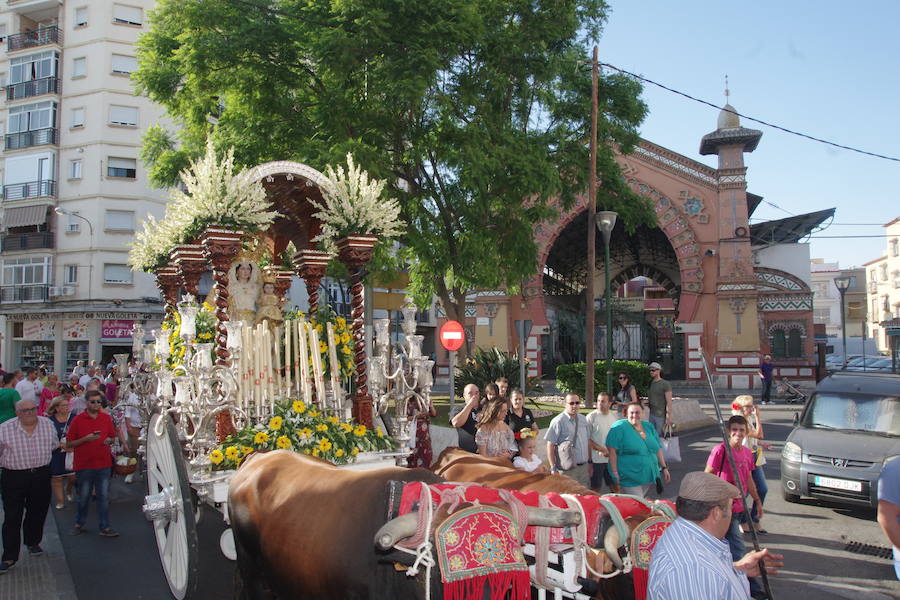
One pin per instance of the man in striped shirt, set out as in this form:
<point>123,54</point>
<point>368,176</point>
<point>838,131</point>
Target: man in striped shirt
<point>26,444</point>
<point>690,561</point>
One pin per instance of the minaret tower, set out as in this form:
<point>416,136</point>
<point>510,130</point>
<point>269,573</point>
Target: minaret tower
<point>738,331</point>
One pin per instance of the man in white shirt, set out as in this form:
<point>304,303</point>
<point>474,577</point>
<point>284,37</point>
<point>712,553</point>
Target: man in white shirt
<point>86,378</point>
<point>31,387</point>
<point>600,420</point>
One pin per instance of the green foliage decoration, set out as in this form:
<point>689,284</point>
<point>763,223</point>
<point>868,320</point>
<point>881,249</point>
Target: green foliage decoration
<point>486,365</point>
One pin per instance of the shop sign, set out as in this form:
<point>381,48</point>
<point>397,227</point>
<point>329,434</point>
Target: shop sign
<point>75,330</point>
<point>39,330</point>
<point>116,329</point>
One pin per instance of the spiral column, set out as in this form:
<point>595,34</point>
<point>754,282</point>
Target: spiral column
<point>191,264</point>
<point>311,266</point>
<point>355,251</point>
<point>168,281</point>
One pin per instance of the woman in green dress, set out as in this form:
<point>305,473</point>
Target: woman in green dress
<point>8,397</point>
<point>635,456</point>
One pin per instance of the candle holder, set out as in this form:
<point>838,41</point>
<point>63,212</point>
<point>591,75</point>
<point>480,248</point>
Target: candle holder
<point>162,344</point>
<point>188,310</point>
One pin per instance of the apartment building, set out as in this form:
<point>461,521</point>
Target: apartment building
<point>73,187</point>
<point>827,298</point>
<point>883,285</point>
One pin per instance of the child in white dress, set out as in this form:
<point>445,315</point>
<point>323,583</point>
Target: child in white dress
<point>527,460</point>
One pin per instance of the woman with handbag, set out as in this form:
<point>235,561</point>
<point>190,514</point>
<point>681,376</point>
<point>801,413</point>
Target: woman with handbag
<point>635,455</point>
<point>62,475</point>
<point>743,405</point>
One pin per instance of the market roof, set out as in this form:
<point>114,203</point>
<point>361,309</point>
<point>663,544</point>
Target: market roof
<point>790,229</point>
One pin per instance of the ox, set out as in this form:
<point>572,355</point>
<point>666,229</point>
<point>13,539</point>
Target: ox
<point>455,464</point>
<point>305,529</point>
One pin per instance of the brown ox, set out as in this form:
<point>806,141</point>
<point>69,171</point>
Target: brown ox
<point>456,464</point>
<point>305,529</point>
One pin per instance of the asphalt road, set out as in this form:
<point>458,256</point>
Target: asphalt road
<point>812,536</point>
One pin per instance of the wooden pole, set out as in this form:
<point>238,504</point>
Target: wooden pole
<point>591,245</point>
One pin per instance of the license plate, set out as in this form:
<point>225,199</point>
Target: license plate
<point>839,484</point>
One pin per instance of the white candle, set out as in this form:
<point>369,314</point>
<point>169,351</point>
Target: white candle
<point>304,361</point>
<point>316,354</point>
<point>271,353</point>
<point>287,358</point>
<point>257,369</point>
<point>295,336</point>
<point>276,372</point>
<point>334,367</point>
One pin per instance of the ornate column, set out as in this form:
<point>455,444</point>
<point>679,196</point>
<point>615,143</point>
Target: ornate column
<point>355,251</point>
<point>191,264</point>
<point>221,247</point>
<point>283,283</point>
<point>168,281</point>
<point>311,266</point>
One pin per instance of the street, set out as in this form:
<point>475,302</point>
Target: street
<point>812,537</point>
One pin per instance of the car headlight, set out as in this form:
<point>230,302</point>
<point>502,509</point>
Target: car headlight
<point>792,452</point>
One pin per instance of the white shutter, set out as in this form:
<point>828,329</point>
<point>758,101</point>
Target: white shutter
<point>123,64</point>
<point>122,163</point>
<point>123,115</point>
<point>77,117</point>
<point>81,16</point>
<point>79,66</point>
<point>116,273</point>
<point>130,15</point>
<point>120,220</point>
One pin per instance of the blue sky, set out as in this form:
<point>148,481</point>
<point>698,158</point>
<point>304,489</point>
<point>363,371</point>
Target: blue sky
<point>827,68</point>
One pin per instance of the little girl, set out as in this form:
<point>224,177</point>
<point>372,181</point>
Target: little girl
<point>527,460</point>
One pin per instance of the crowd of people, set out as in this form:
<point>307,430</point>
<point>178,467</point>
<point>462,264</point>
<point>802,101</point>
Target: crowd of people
<point>58,439</point>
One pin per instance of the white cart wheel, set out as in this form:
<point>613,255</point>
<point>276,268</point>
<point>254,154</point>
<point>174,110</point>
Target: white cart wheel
<point>226,543</point>
<point>168,506</point>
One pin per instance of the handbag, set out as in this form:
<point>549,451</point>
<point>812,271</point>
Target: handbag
<point>566,451</point>
<point>670,446</point>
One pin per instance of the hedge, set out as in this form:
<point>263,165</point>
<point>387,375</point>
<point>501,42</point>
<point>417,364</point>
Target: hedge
<point>570,377</point>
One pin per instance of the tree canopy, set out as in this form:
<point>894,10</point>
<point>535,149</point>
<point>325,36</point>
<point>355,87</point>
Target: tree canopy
<point>477,112</point>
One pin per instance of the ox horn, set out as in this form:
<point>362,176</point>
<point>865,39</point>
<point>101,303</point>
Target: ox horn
<point>405,526</point>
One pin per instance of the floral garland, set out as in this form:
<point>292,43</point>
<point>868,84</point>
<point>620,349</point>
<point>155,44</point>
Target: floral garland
<point>205,332</point>
<point>296,426</point>
<point>343,340</point>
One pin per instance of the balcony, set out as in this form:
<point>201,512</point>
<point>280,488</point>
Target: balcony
<point>31,39</point>
<point>24,293</point>
<point>39,240</point>
<point>26,139</point>
<point>31,189</point>
<point>35,87</point>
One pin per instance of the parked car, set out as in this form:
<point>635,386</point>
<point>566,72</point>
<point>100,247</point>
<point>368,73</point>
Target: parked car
<point>846,433</point>
<point>871,363</point>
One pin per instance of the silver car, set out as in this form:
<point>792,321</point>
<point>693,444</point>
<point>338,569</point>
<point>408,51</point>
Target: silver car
<point>848,430</point>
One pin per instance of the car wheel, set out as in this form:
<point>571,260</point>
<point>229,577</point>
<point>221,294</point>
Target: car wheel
<point>788,497</point>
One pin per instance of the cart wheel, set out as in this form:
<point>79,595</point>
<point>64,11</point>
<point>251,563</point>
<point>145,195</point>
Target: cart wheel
<point>168,506</point>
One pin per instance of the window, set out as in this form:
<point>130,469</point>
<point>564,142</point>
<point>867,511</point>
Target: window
<point>121,167</point>
<point>822,315</point>
<point>127,15</point>
<point>120,220</point>
<point>74,224</point>
<point>118,274</point>
<point>79,67</point>
<point>852,281</point>
<point>778,344</point>
<point>123,115</point>
<point>81,16</point>
<point>75,169</point>
<point>26,271</point>
<point>895,247</point>
<point>794,344</point>
<point>123,65</point>
<point>34,66</point>
<point>70,274</point>
<point>896,278</point>
<point>77,119</point>
<point>874,313</point>
<point>883,269</point>
<point>31,117</point>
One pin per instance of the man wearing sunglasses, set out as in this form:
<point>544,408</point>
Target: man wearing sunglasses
<point>660,399</point>
<point>91,434</point>
<point>570,426</point>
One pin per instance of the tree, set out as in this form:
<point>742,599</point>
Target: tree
<point>476,112</point>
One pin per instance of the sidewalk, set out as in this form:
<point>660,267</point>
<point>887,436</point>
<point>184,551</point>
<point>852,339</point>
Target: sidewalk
<point>44,577</point>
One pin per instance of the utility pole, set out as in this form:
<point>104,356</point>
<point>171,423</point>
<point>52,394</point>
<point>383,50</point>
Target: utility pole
<point>591,241</point>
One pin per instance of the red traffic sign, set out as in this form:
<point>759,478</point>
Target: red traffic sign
<point>452,335</point>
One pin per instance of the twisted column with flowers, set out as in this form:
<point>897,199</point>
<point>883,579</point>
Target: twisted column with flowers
<point>311,266</point>
<point>355,251</point>
<point>168,281</point>
<point>191,264</point>
<point>221,247</point>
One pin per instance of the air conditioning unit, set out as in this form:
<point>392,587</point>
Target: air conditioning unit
<point>54,291</point>
<point>67,290</point>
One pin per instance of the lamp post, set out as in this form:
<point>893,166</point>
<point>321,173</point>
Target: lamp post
<point>606,220</point>
<point>62,211</point>
<point>842,282</point>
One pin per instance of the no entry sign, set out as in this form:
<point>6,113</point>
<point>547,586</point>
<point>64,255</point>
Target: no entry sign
<point>452,335</point>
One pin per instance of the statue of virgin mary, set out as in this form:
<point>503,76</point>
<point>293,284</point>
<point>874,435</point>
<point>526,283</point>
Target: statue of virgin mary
<point>243,290</point>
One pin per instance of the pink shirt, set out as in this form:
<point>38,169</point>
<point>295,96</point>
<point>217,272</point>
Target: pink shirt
<point>21,450</point>
<point>46,397</point>
<point>721,467</point>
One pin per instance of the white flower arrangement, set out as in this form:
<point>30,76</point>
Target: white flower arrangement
<point>214,196</point>
<point>352,204</point>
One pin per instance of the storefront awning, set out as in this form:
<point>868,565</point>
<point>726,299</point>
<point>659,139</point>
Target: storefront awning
<point>25,216</point>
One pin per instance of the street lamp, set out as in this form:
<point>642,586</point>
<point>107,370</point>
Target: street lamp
<point>62,211</point>
<point>842,282</point>
<point>606,220</point>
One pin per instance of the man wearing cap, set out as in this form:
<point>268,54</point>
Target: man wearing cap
<point>660,399</point>
<point>690,561</point>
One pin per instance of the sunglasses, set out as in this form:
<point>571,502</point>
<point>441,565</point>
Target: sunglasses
<point>653,370</point>
<point>573,403</point>
<point>93,402</point>
<point>622,377</point>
